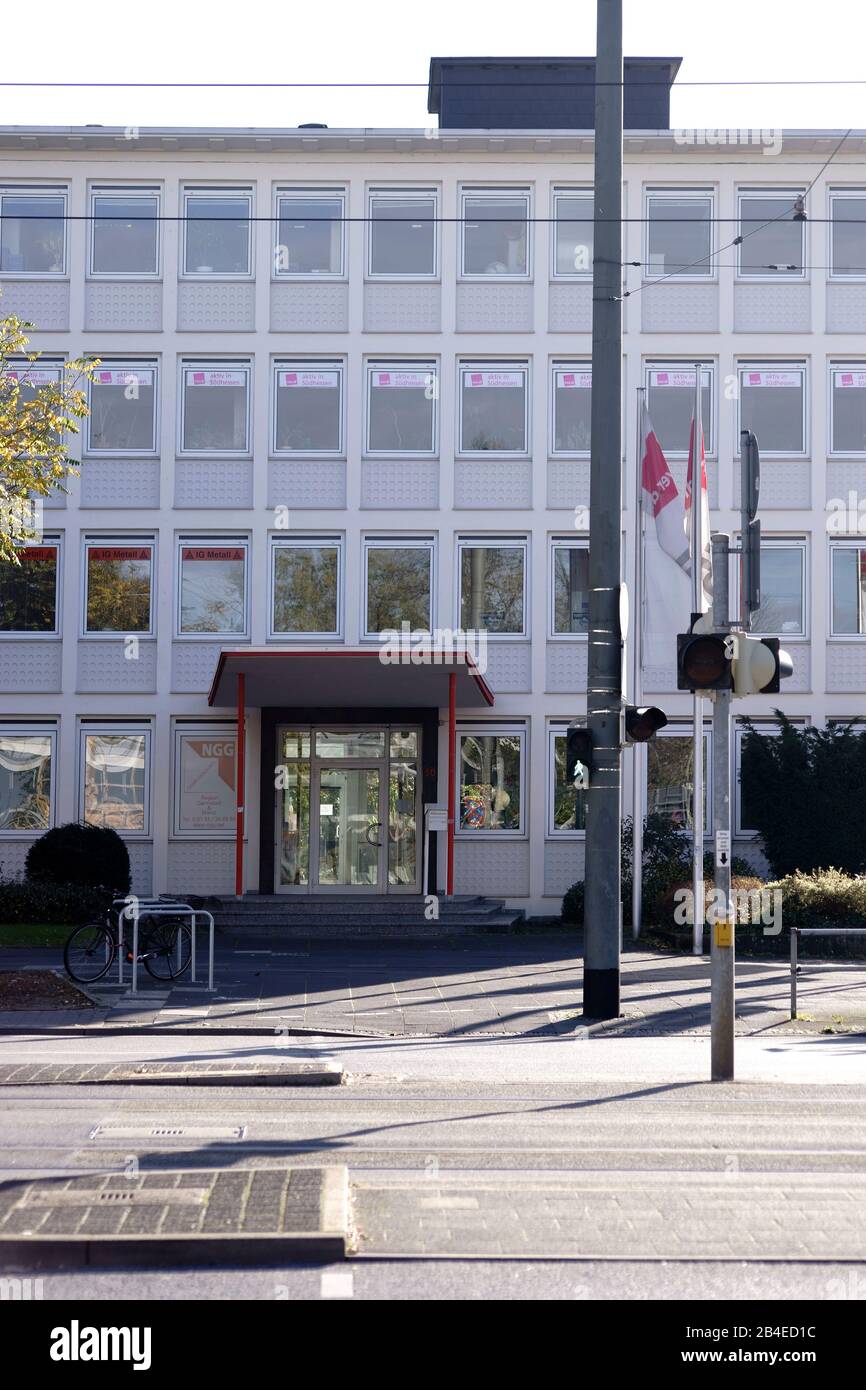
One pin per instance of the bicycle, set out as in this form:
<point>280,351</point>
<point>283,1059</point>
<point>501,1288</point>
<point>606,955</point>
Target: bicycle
<point>165,948</point>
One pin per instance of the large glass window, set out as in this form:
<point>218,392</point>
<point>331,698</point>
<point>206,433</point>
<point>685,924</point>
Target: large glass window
<point>32,232</point>
<point>217,226</point>
<point>572,233</point>
<point>671,780</point>
<point>571,407</point>
<point>783,583</point>
<point>848,579</point>
<point>495,232</point>
<point>306,587</point>
<point>491,781</point>
<point>569,605</point>
<point>670,399</point>
<point>213,589</point>
<point>401,407</point>
<point>124,232</point>
<point>398,585</point>
<point>310,232</point>
<point>26,780</point>
<point>566,805</point>
<point>773,405</point>
<point>204,780</point>
<point>114,775</point>
<point>308,417</point>
<point>493,586</point>
<point>122,416</point>
<point>118,587</point>
<point>848,235</point>
<point>848,409</point>
<point>494,408</point>
<point>215,408</point>
<point>402,238</point>
<point>29,591</point>
<point>773,243</point>
<point>679,234</point>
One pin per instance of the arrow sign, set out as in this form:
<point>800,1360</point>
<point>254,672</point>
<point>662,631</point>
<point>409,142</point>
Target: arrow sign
<point>723,848</point>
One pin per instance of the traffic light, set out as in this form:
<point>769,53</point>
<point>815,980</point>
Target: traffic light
<point>642,721</point>
<point>704,661</point>
<point>578,754</point>
<point>759,664</point>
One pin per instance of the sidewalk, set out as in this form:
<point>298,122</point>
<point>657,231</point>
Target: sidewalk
<point>521,985</point>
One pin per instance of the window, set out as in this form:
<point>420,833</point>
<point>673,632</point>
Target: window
<point>118,587</point>
<point>492,584</point>
<point>670,779</point>
<point>848,590</point>
<point>204,780</point>
<point>569,599</point>
<point>212,586</point>
<point>783,588</point>
<point>398,585</point>
<point>215,408</point>
<point>566,806</point>
<point>306,587</point>
<point>310,232</point>
<point>679,236</point>
<point>30,376</point>
<point>670,400</point>
<point>491,780</point>
<point>217,226</point>
<point>848,409</point>
<point>114,777</point>
<point>123,409</point>
<point>773,244</point>
<point>495,232</point>
<point>308,415</point>
<point>401,407</point>
<point>848,235</point>
<point>26,778</point>
<point>30,590</point>
<point>402,232</point>
<point>124,238</point>
<point>571,402</point>
<point>572,233</point>
<point>494,408</point>
<point>773,405</point>
<point>32,232</point>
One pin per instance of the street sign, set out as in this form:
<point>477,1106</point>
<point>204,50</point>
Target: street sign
<point>723,848</point>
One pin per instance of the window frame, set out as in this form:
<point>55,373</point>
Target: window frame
<point>209,541</point>
<point>842,195</point>
<point>131,365</point>
<point>468,541</point>
<point>207,364</point>
<point>297,540</point>
<point>339,191</point>
<point>693,275</point>
<point>579,367</point>
<point>684,730</point>
<point>708,365</point>
<point>103,728</point>
<point>372,541</point>
<point>494,193</point>
<point>395,193</point>
<point>307,364</point>
<point>563,191</point>
<point>430,366</point>
<point>490,365</point>
<point>60,191</point>
<point>202,728</point>
<point>834,366</point>
<point>56,540</point>
<point>493,729</point>
<point>132,192</point>
<point>780,542</point>
<point>191,190</point>
<point>555,543</point>
<point>857,543</point>
<point>769,276</point>
<point>90,542</point>
<point>557,728</point>
<point>35,728</point>
<point>802,365</point>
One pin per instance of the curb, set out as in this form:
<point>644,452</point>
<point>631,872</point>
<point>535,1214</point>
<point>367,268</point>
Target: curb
<point>319,1073</point>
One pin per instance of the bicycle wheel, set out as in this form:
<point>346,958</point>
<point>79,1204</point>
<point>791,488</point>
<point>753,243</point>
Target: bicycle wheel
<point>165,947</point>
<point>89,953</point>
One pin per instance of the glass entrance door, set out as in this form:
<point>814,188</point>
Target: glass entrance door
<point>348,828</point>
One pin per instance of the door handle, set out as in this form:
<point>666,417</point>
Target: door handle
<point>374,844</point>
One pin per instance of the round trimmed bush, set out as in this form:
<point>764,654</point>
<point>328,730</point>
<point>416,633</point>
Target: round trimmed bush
<point>90,855</point>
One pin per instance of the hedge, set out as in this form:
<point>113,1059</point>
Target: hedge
<point>27,901</point>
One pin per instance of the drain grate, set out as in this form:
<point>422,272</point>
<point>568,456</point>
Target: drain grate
<point>168,1131</point>
<point>126,1197</point>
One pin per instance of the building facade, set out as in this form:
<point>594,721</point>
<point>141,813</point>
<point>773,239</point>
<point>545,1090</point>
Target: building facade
<point>344,385</point>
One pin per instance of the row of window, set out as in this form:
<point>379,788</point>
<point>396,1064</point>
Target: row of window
<point>401,414</point>
<point>114,762</point>
<point>680,232</point>
<point>306,588</point>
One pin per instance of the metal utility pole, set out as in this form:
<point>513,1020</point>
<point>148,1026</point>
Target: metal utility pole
<point>697,700</point>
<point>722,931</point>
<point>602,909</point>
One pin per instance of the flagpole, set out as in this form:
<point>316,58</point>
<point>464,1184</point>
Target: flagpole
<point>637,681</point>
<point>697,558</point>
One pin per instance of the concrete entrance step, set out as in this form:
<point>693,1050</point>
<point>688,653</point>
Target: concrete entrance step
<point>359,916</point>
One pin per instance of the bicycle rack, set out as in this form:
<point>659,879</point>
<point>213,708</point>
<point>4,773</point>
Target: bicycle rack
<point>132,909</point>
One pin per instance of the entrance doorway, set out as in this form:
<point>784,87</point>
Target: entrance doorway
<point>348,808</point>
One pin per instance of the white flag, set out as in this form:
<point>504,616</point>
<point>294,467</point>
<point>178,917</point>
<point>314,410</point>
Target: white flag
<point>706,545</point>
<point>666,568</point>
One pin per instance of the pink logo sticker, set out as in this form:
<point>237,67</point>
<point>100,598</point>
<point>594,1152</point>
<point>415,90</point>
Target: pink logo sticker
<point>291,378</point>
<point>475,378</point>
<point>568,379</point>
<point>847,378</point>
<point>384,378</point>
<point>198,378</point>
<point>663,379</point>
<point>754,378</point>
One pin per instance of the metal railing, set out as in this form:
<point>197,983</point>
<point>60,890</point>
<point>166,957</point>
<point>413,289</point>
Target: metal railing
<point>132,909</point>
<point>797,932</point>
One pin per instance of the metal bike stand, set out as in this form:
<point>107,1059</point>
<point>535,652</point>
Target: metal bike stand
<point>162,907</point>
<point>819,931</point>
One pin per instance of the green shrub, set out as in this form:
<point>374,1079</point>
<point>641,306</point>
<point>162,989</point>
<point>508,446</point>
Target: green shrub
<point>90,855</point>
<point>26,900</point>
<point>572,905</point>
<point>823,898</point>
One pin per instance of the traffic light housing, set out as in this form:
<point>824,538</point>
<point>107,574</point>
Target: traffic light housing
<point>759,665</point>
<point>642,722</point>
<point>578,751</point>
<point>704,661</point>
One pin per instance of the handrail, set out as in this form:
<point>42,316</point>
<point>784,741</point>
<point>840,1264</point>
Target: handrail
<point>797,932</point>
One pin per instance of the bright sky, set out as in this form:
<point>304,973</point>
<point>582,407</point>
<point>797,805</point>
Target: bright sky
<point>341,41</point>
